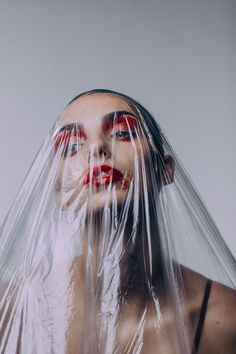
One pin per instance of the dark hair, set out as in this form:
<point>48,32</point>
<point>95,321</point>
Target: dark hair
<point>154,130</point>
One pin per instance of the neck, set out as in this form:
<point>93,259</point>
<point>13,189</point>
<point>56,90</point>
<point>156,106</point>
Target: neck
<point>124,252</point>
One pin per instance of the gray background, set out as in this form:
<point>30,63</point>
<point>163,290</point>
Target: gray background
<point>177,57</point>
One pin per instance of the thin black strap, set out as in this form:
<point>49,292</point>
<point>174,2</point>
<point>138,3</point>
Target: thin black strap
<point>202,316</point>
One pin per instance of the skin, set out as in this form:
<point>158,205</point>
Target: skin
<point>98,148</point>
<point>220,323</point>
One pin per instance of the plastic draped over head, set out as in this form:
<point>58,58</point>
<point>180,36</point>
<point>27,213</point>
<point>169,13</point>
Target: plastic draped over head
<point>104,238</point>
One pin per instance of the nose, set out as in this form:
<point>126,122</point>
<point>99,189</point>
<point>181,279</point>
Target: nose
<point>99,150</point>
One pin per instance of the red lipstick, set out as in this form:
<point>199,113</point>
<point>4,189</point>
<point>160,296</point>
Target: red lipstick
<point>102,175</point>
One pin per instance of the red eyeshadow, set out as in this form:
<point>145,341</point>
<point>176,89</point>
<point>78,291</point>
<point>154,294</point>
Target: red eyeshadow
<point>126,121</point>
<point>69,136</point>
<point>62,138</point>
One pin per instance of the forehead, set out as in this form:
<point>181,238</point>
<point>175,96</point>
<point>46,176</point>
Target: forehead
<point>92,107</point>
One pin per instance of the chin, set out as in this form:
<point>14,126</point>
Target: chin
<point>99,201</point>
<point>93,202</point>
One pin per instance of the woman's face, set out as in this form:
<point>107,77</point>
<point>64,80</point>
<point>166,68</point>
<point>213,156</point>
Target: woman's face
<point>101,143</point>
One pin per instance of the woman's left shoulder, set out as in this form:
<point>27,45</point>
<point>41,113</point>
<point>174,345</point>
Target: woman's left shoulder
<point>219,331</point>
<point>219,334</point>
<point>222,307</point>
<point>222,298</point>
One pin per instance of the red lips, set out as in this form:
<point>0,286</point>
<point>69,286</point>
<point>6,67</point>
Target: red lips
<point>102,175</point>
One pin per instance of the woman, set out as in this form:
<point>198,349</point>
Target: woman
<point>93,262</point>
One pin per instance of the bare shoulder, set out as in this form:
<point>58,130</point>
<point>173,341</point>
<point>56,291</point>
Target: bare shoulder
<point>219,331</point>
<point>194,284</point>
<point>222,309</point>
<point>222,298</point>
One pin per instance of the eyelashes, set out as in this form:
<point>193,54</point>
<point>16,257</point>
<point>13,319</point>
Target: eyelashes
<point>73,149</point>
<point>123,133</point>
<point>71,141</point>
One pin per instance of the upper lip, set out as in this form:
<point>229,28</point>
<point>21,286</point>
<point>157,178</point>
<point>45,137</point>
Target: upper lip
<point>102,172</point>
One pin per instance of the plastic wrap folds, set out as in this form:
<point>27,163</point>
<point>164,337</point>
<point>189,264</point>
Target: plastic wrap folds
<point>108,247</point>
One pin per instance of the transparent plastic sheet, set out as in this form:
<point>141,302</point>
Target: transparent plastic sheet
<point>108,246</point>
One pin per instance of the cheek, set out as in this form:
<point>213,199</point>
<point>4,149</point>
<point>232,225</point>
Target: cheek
<point>135,160</point>
<point>124,158</point>
<point>70,173</point>
<point>128,153</point>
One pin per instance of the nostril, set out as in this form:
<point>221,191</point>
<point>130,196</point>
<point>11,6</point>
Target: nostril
<point>101,152</point>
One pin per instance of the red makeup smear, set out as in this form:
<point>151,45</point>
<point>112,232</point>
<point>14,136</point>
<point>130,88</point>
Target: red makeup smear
<point>67,137</point>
